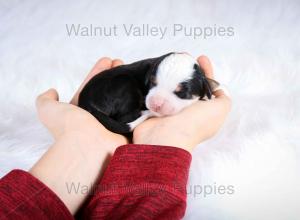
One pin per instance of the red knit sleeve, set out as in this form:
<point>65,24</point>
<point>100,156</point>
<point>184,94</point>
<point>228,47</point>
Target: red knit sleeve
<point>142,182</point>
<point>25,197</point>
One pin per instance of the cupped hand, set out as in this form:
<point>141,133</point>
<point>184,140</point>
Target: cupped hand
<point>190,127</point>
<point>67,119</point>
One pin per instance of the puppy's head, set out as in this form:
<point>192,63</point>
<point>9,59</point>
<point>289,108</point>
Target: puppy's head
<point>175,82</point>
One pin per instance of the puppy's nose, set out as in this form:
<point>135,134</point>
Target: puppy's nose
<point>156,103</point>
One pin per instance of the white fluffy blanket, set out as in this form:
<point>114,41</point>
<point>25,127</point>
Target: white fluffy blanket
<point>257,151</point>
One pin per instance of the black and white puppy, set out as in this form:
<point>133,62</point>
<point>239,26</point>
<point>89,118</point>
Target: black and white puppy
<point>123,97</point>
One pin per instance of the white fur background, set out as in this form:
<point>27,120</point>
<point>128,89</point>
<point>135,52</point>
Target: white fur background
<point>257,150</point>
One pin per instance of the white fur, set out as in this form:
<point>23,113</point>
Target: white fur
<point>173,70</point>
<point>257,149</point>
<point>145,115</point>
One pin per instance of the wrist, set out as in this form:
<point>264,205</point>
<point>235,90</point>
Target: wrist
<point>73,158</point>
<point>96,142</point>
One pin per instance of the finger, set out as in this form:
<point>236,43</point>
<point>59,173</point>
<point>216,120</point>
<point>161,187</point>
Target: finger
<point>219,93</point>
<point>117,62</point>
<point>101,65</point>
<point>206,66</point>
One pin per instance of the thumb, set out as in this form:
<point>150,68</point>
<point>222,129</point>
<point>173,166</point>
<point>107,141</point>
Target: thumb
<point>46,103</point>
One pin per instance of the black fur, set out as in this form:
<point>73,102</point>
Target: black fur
<point>197,86</point>
<point>117,96</point>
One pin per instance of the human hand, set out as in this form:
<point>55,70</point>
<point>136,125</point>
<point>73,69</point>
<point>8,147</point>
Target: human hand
<point>190,127</point>
<point>82,145</point>
<point>66,119</point>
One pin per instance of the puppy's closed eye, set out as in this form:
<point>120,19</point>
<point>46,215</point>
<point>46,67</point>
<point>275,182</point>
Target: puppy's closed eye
<point>182,91</point>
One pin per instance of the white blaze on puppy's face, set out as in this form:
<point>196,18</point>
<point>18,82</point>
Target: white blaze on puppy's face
<point>173,70</point>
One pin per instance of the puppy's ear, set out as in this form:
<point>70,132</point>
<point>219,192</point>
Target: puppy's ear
<point>207,90</point>
<point>205,86</point>
<point>212,83</point>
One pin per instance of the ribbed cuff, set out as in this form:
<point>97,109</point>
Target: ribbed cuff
<point>26,196</point>
<point>146,169</point>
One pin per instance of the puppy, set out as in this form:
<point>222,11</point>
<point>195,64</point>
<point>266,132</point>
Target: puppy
<point>123,97</point>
